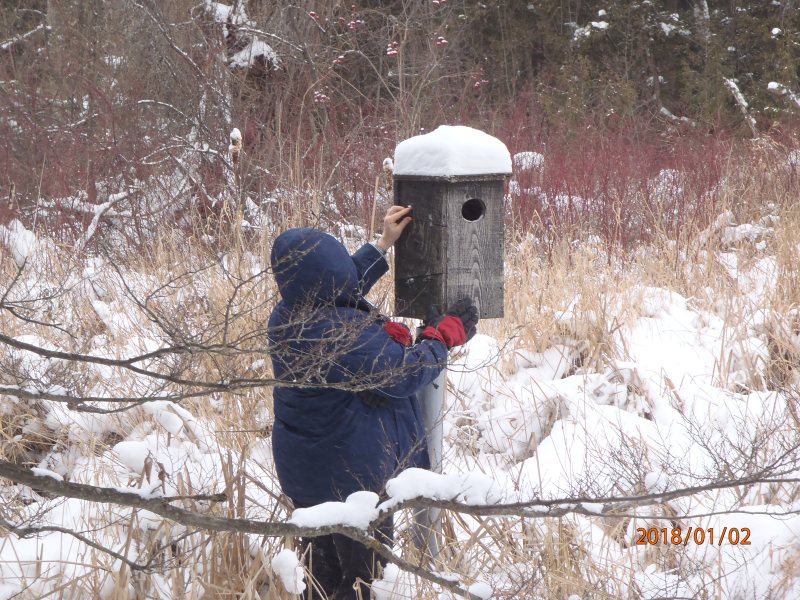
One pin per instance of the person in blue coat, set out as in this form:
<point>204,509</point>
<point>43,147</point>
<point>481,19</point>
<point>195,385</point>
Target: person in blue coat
<point>346,415</point>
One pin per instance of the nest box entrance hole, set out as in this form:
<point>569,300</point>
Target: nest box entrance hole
<point>473,209</point>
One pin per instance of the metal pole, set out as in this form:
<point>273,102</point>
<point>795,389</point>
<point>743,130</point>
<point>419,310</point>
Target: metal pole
<point>427,522</point>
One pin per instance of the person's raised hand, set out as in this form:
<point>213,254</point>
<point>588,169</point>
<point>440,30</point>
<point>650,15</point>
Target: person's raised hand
<point>394,223</point>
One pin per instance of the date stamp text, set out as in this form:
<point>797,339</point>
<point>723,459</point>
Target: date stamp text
<point>678,536</point>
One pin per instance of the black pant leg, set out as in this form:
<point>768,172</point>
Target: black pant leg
<point>359,562</point>
<point>323,564</point>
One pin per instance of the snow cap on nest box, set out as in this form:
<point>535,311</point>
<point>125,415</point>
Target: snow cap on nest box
<point>452,151</point>
<point>454,179</point>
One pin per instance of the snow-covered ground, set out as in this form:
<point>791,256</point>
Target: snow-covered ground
<point>672,392</point>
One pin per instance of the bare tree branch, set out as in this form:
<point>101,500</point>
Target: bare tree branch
<point>24,532</point>
<point>161,506</point>
<point>10,43</point>
<point>79,403</point>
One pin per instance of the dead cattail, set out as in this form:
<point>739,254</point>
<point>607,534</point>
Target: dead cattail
<point>235,145</point>
<point>388,171</point>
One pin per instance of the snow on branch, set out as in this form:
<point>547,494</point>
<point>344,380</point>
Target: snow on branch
<point>162,506</point>
<point>744,107</point>
<point>361,511</point>
<point>247,50</point>
<point>254,51</point>
<point>257,32</point>
<point>781,90</point>
<point>100,211</point>
<point>344,517</point>
<point>664,111</point>
<point>10,43</point>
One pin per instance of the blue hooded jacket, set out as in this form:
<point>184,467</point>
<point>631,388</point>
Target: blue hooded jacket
<point>327,442</point>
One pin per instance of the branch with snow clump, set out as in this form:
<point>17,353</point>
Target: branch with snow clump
<point>99,212</point>
<point>162,507</point>
<point>537,508</point>
<point>10,43</point>
<point>336,517</point>
<point>782,90</point>
<point>742,103</point>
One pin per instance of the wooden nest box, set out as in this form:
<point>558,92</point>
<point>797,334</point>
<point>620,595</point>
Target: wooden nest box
<point>454,180</point>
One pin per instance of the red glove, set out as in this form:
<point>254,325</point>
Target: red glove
<point>450,331</point>
<point>398,332</point>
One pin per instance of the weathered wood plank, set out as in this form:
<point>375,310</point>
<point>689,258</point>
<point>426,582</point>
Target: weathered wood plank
<point>475,247</point>
<point>443,256</point>
<point>420,252</point>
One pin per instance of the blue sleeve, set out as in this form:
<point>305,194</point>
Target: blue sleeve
<point>390,369</point>
<point>371,266</point>
<point>416,366</point>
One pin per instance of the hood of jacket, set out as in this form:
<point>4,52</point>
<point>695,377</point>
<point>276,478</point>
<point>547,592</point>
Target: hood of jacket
<point>313,267</point>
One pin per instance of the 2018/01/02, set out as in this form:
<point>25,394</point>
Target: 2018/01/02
<point>652,536</point>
